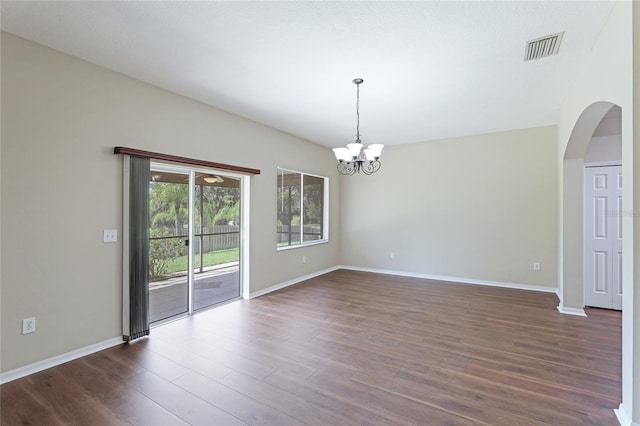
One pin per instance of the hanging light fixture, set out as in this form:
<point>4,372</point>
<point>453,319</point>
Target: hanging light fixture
<point>213,179</point>
<point>353,159</point>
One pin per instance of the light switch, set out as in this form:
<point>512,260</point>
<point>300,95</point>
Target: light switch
<point>110,236</point>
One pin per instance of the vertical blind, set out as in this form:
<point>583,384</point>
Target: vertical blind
<point>138,248</point>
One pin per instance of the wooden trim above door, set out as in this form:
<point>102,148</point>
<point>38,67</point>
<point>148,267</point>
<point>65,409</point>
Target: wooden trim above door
<point>184,160</point>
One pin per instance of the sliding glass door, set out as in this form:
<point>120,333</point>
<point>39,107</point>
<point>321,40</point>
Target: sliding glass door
<point>194,238</point>
<point>217,240</point>
<point>168,244</point>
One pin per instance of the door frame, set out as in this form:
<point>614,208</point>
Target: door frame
<point>155,166</point>
<point>243,269</point>
<point>245,191</point>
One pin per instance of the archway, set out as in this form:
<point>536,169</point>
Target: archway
<point>571,268</point>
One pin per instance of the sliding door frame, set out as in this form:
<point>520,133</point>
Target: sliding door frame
<point>188,171</point>
<point>191,171</point>
<point>243,173</point>
<point>245,191</point>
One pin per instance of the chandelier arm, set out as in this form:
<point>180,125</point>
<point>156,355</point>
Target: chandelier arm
<point>346,168</point>
<point>371,167</point>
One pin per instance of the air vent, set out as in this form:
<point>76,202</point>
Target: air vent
<point>543,47</point>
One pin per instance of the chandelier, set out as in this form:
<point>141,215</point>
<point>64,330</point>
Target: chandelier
<point>353,159</point>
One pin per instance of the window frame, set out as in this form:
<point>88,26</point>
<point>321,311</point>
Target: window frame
<point>325,209</point>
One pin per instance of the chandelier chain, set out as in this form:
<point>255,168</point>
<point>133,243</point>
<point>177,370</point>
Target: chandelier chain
<point>358,111</point>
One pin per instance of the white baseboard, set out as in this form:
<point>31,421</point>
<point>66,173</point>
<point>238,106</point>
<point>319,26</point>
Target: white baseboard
<point>623,418</point>
<point>291,282</point>
<point>454,279</point>
<point>57,360</point>
<point>571,311</point>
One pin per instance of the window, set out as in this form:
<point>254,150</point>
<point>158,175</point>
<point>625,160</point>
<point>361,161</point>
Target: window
<point>302,209</point>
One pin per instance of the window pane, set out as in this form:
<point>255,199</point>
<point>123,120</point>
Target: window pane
<point>168,233</point>
<point>302,215</point>
<point>313,198</point>
<point>219,236</point>
<point>288,208</point>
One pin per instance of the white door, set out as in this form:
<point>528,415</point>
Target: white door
<point>603,237</point>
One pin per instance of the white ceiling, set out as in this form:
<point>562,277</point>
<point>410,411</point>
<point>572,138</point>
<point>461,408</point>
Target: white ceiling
<point>432,69</point>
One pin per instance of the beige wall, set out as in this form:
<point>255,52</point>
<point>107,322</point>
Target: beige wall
<point>480,207</point>
<point>605,79</point>
<point>61,186</point>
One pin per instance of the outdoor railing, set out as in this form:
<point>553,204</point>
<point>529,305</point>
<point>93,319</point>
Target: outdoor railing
<point>291,235</point>
<point>221,237</point>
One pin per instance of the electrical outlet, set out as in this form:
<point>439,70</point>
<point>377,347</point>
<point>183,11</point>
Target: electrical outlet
<point>392,255</point>
<point>304,259</point>
<point>110,235</point>
<point>536,266</point>
<point>28,325</point>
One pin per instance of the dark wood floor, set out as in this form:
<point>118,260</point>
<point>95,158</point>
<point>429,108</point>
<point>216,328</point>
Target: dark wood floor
<point>347,348</point>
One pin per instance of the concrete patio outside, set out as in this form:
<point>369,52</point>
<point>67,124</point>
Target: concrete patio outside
<point>168,297</point>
